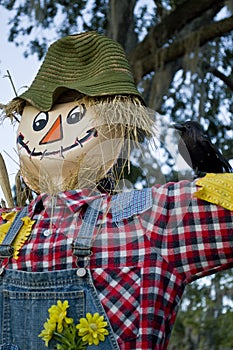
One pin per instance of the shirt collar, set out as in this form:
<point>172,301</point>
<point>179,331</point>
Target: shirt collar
<point>73,199</point>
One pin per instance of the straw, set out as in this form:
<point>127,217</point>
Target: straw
<point>5,183</point>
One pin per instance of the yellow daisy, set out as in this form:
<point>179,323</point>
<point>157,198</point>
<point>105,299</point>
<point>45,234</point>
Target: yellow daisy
<point>92,328</point>
<point>58,315</point>
<point>48,331</point>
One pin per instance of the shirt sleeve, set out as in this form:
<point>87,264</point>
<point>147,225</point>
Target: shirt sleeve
<point>195,237</point>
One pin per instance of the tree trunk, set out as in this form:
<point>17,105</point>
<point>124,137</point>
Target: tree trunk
<point>121,23</point>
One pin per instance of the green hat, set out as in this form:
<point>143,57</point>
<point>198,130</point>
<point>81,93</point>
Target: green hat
<point>89,63</point>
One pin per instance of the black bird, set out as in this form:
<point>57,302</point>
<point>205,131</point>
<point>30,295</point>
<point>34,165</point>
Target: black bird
<point>198,151</point>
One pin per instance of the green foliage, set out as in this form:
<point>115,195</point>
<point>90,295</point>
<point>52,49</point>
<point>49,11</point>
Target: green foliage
<point>98,17</point>
<point>203,97</point>
<point>205,318</point>
<point>144,19</point>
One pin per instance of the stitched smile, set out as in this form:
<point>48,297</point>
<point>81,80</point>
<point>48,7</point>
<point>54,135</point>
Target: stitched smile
<point>78,142</point>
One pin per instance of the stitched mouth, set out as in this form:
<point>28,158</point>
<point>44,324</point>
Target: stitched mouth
<point>78,143</point>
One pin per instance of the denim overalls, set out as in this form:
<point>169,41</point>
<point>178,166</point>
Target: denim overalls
<point>25,297</point>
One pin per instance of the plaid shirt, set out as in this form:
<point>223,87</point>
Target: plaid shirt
<point>148,245</point>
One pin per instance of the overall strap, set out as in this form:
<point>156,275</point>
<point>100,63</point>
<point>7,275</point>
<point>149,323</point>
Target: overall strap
<point>83,243</point>
<point>6,248</point>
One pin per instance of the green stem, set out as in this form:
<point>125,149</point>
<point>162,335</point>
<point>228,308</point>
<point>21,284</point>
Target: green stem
<point>60,337</point>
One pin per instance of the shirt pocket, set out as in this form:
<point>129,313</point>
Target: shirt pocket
<point>25,312</point>
<point>119,292</point>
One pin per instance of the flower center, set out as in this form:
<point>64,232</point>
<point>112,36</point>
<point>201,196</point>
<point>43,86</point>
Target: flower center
<point>93,326</point>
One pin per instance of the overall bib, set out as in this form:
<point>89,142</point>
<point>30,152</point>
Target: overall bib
<point>25,297</point>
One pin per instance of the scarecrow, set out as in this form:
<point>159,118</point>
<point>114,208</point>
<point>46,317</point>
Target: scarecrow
<point>81,266</point>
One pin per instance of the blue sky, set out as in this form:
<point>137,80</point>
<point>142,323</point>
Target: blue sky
<point>12,59</point>
<point>22,71</point>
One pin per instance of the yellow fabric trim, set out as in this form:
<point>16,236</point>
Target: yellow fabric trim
<point>216,189</point>
<point>23,234</point>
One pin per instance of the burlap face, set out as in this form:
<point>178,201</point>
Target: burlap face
<point>75,144</point>
<point>66,148</point>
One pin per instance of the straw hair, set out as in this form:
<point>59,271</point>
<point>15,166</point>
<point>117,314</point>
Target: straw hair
<point>88,62</point>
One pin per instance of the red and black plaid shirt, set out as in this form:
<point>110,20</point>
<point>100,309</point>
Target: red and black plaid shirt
<point>148,246</point>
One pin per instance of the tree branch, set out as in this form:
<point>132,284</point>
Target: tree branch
<point>227,80</point>
<point>177,49</point>
<point>161,33</point>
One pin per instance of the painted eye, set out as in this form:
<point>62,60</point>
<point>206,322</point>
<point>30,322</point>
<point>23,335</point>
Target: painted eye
<point>76,114</point>
<point>40,121</point>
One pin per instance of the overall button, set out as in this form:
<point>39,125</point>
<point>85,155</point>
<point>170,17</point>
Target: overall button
<point>81,272</point>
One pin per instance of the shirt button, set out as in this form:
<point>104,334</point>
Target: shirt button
<point>48,232</point>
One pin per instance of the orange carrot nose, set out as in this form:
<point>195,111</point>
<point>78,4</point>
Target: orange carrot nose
<point>55,132</point>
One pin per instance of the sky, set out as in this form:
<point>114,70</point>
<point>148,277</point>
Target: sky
<point>22,71</point>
